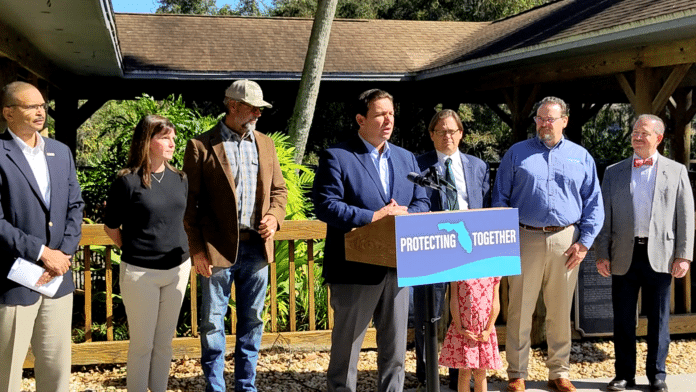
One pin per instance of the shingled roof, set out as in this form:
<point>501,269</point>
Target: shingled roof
<point>214,44</point>
<point>188,46</point>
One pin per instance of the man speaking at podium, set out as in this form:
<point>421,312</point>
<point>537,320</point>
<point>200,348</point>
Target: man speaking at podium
<point>358,182</point>
<point>470,177</point>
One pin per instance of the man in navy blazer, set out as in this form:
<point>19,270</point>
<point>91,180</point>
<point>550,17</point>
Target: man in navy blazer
<point>40,221</point>
<point>647,239</point>
<point>472,180</point>
<point>357,182</point>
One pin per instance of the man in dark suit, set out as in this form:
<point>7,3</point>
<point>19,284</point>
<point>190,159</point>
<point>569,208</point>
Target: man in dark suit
<point>470,176</point>
<point>647,238</point>
<point>357,182</point>
<point>236,203</point>
<point>40,221</point>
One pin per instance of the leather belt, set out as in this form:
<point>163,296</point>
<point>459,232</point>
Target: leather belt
<point>246,235</point>
<point>545,229</point>
<point>641,240</point>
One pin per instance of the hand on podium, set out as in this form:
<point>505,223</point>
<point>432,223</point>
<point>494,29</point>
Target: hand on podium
<point>393,208</point>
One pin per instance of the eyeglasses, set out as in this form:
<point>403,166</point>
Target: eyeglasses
<point>550,120</point>
<point>43,106</point>
<point>642,135</point>
<point>253,108</point>
<point>448,132</point>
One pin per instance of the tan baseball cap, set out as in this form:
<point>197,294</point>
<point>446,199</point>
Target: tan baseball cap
<point>247,91</point>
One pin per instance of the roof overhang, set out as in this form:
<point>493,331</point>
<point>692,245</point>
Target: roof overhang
<point>60,39</point>
<point>669,28</point>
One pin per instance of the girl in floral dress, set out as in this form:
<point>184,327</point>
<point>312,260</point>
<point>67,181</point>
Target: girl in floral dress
<point>471,343</point>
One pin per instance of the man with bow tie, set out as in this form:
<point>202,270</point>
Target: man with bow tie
<point>647,238</point>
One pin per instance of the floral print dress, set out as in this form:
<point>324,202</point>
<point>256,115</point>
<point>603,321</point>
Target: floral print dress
<point>475,302</point>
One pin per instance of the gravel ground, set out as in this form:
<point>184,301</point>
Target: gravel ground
<point>281,370</point>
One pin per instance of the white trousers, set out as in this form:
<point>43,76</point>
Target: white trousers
<point>46,325</point>
<point>153,300</point>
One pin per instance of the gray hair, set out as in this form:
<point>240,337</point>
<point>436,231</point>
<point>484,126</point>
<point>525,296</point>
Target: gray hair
<point>659,127</point>
<point>554,101</point>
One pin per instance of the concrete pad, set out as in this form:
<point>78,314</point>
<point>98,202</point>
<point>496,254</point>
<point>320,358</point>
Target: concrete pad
<point>676,383</point>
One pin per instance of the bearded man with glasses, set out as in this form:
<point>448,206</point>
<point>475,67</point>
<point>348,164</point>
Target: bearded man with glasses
<point>553,183</point>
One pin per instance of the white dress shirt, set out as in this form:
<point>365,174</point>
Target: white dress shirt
<point>643,189</point>
<point>458,171</point>
<point>36,157</point>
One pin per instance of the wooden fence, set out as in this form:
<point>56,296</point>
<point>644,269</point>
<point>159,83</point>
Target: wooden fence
<point>113,351</point>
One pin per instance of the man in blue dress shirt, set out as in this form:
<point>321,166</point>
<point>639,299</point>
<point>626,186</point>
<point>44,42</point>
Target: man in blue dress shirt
<point>553,183</point>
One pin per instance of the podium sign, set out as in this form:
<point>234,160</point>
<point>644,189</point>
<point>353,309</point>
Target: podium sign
<point>457,245</point>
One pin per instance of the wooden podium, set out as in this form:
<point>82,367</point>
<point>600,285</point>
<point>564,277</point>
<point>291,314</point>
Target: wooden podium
<point>374,243</point>
<point>437,247</point>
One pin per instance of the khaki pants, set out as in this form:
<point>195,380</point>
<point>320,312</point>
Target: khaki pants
<point>46,325</point>
<point>543,268</point>
<point>153,300</point>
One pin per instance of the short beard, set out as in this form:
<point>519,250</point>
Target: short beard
<point>249,127</point>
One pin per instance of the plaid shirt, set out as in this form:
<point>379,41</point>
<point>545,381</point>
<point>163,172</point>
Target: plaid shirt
<point>244,162</point>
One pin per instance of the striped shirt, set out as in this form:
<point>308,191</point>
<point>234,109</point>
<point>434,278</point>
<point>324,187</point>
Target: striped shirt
<point>243,157</point>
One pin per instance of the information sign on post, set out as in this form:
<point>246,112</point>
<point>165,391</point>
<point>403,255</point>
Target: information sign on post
<point>594,315</point>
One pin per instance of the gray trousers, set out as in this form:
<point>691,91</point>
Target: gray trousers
<point>354,305</point>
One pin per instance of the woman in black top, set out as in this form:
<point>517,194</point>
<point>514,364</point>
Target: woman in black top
<point>144,216</point>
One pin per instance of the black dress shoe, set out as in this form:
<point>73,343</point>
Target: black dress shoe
<point>618,384</point>
<point>658,386</point>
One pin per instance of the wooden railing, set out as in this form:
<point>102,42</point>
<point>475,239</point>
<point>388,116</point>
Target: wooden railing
<point>114,351</point>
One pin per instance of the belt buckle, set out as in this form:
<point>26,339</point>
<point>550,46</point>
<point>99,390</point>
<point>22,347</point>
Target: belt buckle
<point>641,240</point>
<point>544,230</point>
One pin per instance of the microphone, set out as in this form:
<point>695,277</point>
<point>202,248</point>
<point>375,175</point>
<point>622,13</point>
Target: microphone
<point>423,181</point>
<point>435,176</point>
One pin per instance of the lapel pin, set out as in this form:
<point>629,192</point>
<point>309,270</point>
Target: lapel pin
<point>50,154</point>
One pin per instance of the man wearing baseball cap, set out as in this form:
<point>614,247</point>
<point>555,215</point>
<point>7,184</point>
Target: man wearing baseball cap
<point>236,203</point>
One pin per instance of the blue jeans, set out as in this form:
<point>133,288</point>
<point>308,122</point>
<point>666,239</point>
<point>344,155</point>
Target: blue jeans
<point>250,276</point>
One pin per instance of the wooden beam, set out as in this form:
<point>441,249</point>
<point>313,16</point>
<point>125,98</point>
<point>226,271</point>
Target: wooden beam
<point>644,90</point>
<point>627,89</point>
<point>505,117</point>
<point>17,48</point>
<point>603,64</point>
<point>670,85</point>
<point>117,351</point>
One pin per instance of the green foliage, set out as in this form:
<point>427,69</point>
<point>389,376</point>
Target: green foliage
<point>209,7</point>
<point>486,136</point>
<point>298,179</point>
<point>607,135</point>
<point>464,10</point>
<point>113,126</point>
<point>200,7</point>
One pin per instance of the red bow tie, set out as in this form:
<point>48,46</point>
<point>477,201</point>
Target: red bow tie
<point>640,162</point>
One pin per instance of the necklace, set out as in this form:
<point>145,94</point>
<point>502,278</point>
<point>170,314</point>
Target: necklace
<point>159,180</point>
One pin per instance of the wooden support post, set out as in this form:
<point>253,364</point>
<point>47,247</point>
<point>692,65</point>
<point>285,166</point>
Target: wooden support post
<point>292,311</point>
<point>274,294</point>
<point>194,302</point>
<point>88,293</point>
<point>108,277</point>
<point>521,103</point>
<point>580,113</point>
<point>682,111</point>
<point>65,114</point>
<point>310,285</point>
